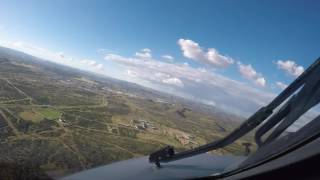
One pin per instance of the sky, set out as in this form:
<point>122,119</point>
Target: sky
<point>236,55</point>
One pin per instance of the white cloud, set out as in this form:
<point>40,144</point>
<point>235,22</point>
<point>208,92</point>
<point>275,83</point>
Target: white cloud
<point>131,73</point>
<point>260,81</point>
<point>92,63</point>
<point>161,75</point>
<point>290,67</point>
<point>146,50</point>
<point>194,83</point>
<point>202,70</point>
<point>281,85</point>
<point>167,57</point>
<point>173,81</point>
<point>114,57</point>
<point>192,50</point>
<point>144,54</point>
<point>248,72</point>
<point>88,62</point>
<point>99,66</point>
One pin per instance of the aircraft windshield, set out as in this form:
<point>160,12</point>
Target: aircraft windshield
<point>86,84</point>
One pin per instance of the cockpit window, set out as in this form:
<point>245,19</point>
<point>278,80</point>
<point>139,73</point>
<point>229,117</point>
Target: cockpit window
<point>87,84</point>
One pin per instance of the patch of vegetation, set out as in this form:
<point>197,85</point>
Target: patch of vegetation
<point>43,126</point>
<point>49,113</point>
<point>32,116</point>
<point>7,92</point>
<point>118,108</point>
<point>123,131</point>
<point>43,100</point>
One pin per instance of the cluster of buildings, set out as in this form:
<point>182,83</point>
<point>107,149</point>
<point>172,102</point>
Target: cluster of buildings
<point>142,124</point>
<point>61,120</point>
<point>186,139</point>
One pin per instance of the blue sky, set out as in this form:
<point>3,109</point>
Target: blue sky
<point>262,45</point>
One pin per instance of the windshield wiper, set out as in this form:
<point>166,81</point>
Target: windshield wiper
<point>308,80</point>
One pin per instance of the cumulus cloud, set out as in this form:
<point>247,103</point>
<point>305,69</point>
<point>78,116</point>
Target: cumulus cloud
<point>88,62</point>
<point>99,66</point>
<point>161,75</point>
<point>92,63</point>
<point>173,81</point>
<point>281,85</point>
<point>248,72</point>
<point>167,57</point>
<point>114,57</point>
<point>290,67</point>
<point>131,73</point>
<point>194,51</point>
<point>194,83</point>
<point>260,81</point>
<point>144,54</point>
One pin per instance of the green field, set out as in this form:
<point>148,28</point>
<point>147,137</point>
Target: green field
<point>49,113</point>
<point>38,114</point>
